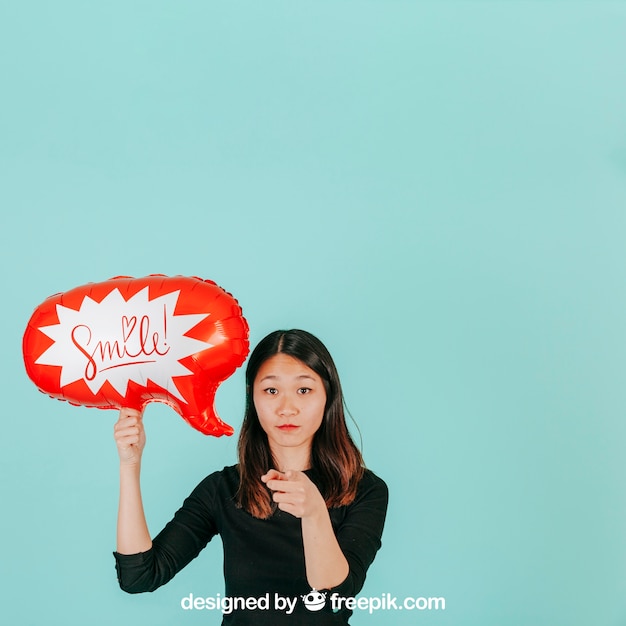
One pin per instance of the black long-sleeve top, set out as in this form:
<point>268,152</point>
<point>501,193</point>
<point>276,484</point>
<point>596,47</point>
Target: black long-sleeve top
<point>261,557</point>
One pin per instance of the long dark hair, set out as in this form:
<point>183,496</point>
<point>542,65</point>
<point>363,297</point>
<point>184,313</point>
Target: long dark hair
<point>334,456</point>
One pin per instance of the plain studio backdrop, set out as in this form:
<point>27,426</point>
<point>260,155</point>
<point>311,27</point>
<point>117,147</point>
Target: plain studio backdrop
<point>435,189</point>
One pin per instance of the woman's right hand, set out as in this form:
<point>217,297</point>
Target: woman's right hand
<point>130,436</point>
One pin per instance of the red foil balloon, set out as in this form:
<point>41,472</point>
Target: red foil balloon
<point>130,341</point>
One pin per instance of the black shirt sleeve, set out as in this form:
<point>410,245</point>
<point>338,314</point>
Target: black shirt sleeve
<point>192,527</point>
<point>359,533</point>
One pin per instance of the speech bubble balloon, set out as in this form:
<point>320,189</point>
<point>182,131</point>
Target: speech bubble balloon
<point>129,341</point>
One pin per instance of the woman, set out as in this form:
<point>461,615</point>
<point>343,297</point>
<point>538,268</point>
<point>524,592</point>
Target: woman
<point>299,512</point>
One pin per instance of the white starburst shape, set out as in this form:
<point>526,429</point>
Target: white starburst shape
<point>118,341</point>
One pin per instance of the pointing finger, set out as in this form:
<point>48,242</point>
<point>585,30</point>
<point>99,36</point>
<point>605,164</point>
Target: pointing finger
<point>272,475</point>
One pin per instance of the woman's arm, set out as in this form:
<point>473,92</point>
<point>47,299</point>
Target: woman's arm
<point>326,565</point>
<point>334,560</point>
<point>132,530</point>
<point>143,564</point>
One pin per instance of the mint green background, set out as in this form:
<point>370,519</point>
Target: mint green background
<point>436,189</point>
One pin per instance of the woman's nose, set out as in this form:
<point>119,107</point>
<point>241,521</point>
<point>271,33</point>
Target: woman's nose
<point>287,406</point>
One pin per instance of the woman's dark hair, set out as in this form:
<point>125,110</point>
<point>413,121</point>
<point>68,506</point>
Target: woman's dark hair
<point>334,456</point>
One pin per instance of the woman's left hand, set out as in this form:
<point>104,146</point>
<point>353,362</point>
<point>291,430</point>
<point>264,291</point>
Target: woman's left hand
<point>295,493</point>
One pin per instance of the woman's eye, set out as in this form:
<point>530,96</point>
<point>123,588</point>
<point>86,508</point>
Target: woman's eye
<point>303,390</point>
<point>272,391</point>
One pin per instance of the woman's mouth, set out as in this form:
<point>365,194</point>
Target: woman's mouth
<point>288,427</point>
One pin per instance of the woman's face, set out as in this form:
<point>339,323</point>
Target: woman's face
<point>289,398</point>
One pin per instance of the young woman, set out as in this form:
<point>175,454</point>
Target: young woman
<point>300,517</point>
